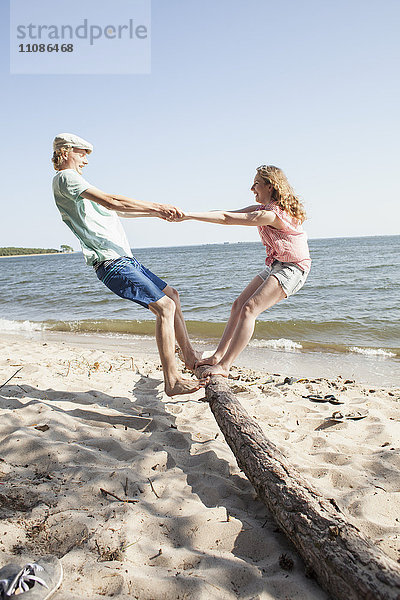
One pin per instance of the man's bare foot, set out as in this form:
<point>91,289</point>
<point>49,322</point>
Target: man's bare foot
<point>190,359</point>
<point>215,370</point>
<point>184,386</point>
<point>209,360</point>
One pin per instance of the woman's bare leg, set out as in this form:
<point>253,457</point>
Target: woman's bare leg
<point>231,325</point>
<point>267,294</point>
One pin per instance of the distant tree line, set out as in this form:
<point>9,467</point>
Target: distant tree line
<point>10,251</point>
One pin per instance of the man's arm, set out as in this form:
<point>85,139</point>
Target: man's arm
<point>253,218</point>
<point>137,208</point>
<point>134,215</point>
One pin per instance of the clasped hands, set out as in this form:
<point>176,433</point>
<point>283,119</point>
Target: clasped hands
<point>172,213</point>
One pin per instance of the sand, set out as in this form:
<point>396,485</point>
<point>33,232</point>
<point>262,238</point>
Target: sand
<point>79,418</point>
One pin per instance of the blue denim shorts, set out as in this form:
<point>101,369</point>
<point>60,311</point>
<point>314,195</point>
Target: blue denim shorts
<point>289,275</point>
<point>129,279</point>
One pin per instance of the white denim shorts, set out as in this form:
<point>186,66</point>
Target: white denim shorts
<point>291,278</point>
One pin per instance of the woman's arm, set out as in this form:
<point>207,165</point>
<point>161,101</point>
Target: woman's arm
<point>222,217</point>
<point>247,209</point>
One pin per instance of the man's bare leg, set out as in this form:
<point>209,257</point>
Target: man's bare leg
<point>164,309</point>
<point>268,294</point>
<point>232,323</point>
<point>190,356</point>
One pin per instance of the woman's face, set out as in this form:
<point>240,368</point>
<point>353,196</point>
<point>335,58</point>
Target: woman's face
<point>261,190</point>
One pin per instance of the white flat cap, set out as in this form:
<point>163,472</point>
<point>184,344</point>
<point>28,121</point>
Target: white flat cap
<point>71,140</point>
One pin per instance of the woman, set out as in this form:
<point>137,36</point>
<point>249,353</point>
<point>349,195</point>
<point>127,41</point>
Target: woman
<point>278,216</point>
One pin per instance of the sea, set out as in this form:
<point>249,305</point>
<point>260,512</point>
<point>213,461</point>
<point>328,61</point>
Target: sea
<point>345,321</point>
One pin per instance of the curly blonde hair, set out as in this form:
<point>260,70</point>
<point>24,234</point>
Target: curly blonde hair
<point>283,193</point>
<point>59,156</point>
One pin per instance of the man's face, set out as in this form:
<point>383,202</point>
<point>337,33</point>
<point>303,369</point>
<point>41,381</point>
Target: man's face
<point>77,159</point>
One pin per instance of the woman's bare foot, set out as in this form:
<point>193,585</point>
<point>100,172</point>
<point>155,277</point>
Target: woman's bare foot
<point>209,360</point>
<point>184,386</point>
<point>215,370</point>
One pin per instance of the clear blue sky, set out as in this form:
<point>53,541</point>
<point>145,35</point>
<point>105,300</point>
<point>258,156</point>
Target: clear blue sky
<point>309,85</point>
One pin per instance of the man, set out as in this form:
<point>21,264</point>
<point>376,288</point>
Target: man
<point>92,215</point>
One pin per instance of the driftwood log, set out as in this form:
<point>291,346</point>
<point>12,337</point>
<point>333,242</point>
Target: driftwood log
<point>342,560</point>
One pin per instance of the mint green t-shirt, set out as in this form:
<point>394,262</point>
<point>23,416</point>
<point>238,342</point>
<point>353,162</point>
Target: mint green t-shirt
<point>98,229</point>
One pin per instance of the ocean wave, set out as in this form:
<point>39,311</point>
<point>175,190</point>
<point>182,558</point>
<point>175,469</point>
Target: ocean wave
<point>281,344</point>
<point>372,352</point>
<point>15,326</point>
<point>284,336</point>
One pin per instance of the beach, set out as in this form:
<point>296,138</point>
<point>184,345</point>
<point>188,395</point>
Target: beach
<point>345,320</point>
<point>139,495</point>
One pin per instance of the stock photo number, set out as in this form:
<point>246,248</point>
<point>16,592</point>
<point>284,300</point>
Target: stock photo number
<point>43,40</point>
<point>46,48</point>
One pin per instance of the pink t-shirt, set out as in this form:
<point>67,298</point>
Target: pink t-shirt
<point>288,244</point>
